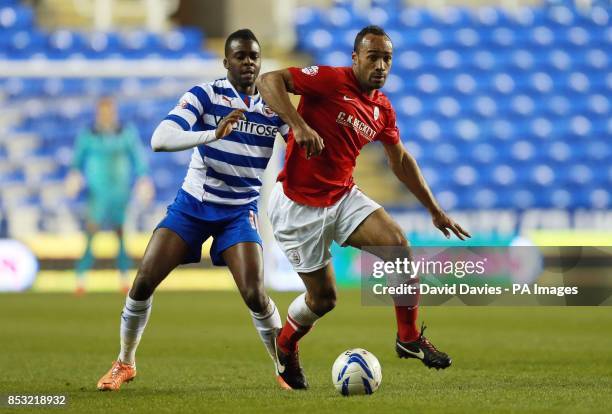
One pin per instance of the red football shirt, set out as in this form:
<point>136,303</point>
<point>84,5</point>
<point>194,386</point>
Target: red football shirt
<point>347,119</point>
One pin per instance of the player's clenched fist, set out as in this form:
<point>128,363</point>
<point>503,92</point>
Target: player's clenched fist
<point>227,124</point>
<point>308,139</point>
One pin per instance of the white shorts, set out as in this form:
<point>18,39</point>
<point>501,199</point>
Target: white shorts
<point>306,233</point>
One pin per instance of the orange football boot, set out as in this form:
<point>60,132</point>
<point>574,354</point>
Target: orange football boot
<point>117,375</point>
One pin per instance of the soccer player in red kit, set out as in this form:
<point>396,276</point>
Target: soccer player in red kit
<point>315,200</point>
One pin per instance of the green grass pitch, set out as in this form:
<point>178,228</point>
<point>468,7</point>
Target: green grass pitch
<point>200,353</point>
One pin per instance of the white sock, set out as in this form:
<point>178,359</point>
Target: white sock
<point>268,323</point>
<point>299,313</point>
<point>133,321</point>
<point>300,319</point>
<point>124,277</point>
<point>81,282</point>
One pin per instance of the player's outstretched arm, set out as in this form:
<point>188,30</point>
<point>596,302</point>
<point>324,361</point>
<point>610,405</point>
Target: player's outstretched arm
<point>169,136</point>
<point>274,88</point>
<point>406,169</point>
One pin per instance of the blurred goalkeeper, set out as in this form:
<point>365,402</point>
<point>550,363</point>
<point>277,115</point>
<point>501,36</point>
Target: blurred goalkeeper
<point>106,158</point>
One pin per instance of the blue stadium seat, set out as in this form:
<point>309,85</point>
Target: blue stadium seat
<point>465,175</point>
<point>336,58</point>
<point>174,45</point>
<point>53,87</point>
<point>466,129</point>
<point>454,17</point>
<point>600,198</point>
<point>464,83</point>
<point>483,154</point>
<point>16,17</point>
<point>483,106</point>
<point>63,43</point>
<point>448,199</point>
<point>598,150</point>
<point>593,58</point>
<point>409,60</point>
<point>502,175</point>
<point>413,17</point>
<point>26,43</point>
<point>485,198</point>
<point>101,45</point>
<point>428,130</point>
<point>560,198</point>
<point>318,40</point>
<point>558,152</point>
<point>381,16</point>
<point>542,175</point>
<point>445,153</point>
<point>466,38</point>
<point>522,198</point>
<point>193,38</point>
<point>447,106</point>
<point>137,44</point>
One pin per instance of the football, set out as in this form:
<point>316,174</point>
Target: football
<point>356,372</point>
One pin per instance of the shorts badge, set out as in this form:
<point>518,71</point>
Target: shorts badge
<point>294,256</point>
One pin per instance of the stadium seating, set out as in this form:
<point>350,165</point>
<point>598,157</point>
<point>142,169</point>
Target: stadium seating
<point>36,150</point>
<point>20,38</point>
<point>502,109</point>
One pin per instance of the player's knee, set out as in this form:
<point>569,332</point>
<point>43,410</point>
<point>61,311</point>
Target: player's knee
<point>400,248</point>
<point>144,285</point>
<point>397,238</point>
<point>255,299</point>
<point>142,289</point>
<point>139,291</point>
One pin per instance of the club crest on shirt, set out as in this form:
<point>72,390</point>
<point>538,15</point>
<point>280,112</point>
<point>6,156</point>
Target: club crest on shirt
<point>268,111</point>
<point>253,221</point>
<point>376,113</point>
<point>311,70</point>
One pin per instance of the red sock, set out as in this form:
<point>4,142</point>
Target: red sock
<point>291,333</point>
<point>406,323</point>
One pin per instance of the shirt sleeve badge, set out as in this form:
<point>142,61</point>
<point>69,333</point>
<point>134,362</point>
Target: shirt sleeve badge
<point>311,70</point>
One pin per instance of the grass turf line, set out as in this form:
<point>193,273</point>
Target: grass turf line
<point>200,353</point>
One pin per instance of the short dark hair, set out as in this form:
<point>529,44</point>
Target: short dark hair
<point>106,99</point>
<point>242,34</point>
<point>372,29</point>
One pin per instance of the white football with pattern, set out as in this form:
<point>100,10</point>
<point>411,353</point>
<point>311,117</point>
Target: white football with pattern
<point>356,372</point>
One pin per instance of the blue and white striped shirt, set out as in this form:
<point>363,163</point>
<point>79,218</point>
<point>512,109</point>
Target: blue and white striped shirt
<point>229,170</point>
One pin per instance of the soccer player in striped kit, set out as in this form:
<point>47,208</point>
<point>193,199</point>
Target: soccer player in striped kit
<point>232,132</point>
<point>315,200</point>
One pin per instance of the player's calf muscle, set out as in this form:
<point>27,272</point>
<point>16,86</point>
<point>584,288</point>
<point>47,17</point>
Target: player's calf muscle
<point>324,304</point>
<point>321,301</point>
